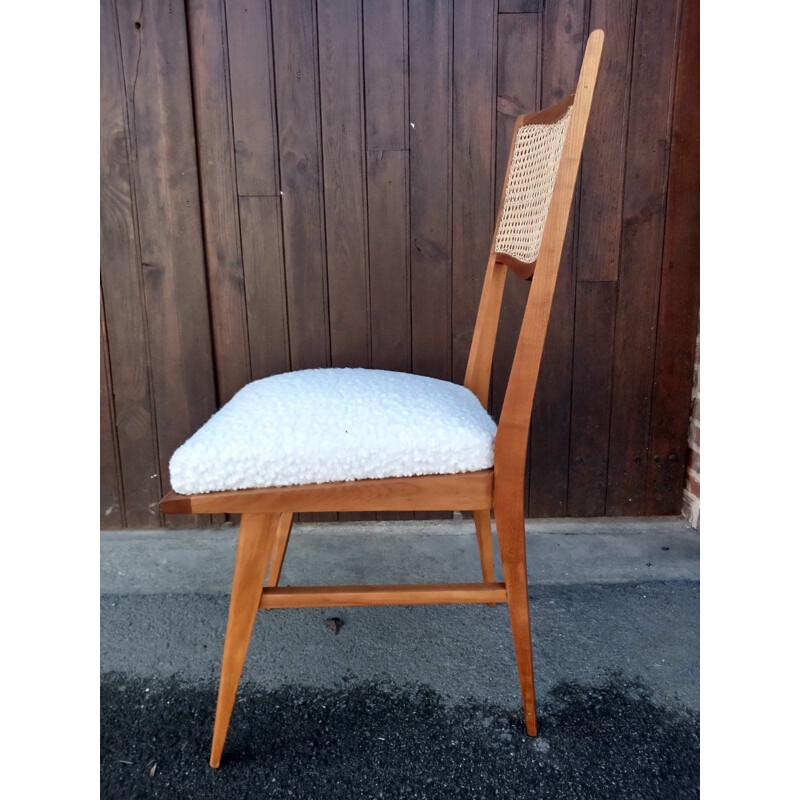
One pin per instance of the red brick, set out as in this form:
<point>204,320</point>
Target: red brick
<point>691,489</point>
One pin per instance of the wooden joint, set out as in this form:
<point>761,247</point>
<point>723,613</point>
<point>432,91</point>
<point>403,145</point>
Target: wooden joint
<point>174,503</point>
<point>397,595</point>
<point>549,115</point>
<point>520,268</point>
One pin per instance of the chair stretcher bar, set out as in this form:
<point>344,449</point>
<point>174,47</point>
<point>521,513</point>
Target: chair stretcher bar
<point>402,594</point>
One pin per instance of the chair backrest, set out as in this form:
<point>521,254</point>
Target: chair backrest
<point>529,237</point>
<point>537,144</point>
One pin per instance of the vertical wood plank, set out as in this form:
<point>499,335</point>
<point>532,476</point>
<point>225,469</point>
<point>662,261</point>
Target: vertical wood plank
<point>564,36</point>
<point>603,167</point>
<point>297,92</point>
<point>595,304</point>
<point>158,88</point>
<point>112,511</point>
<point>521,6</point>
<point>120,271</point>
<point>597,259</point>
<point>226,291</point>
<point>390,300</point>
<point>430,26</point>
<point>474,61</point>
<point>386,74</point>
<point>386,113</point>
<point>341,95</point>
<point>250,55</point>
<point>647,156</point>
<point>249,25</point>
<point>262,250</point>
<point>679,299</point>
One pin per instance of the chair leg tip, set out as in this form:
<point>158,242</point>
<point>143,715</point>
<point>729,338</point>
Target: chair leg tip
<point>213,762</point>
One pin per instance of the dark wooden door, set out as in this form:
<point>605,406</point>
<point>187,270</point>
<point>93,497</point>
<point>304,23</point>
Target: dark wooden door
<point>292,184</point>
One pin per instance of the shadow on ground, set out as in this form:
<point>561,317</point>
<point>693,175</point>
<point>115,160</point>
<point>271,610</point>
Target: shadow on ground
<point>366,740</point>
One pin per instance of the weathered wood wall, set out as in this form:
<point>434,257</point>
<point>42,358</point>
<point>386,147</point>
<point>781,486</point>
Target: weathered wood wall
<point>293,184</point>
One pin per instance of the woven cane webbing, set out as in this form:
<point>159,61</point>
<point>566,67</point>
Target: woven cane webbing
<point>529,188</point>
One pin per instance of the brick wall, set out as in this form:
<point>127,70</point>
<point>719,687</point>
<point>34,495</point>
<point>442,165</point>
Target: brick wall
<point>691,490</point>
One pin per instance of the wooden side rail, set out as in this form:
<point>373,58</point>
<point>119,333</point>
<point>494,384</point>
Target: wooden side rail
<point>398,595</point>
<point>462,491</point>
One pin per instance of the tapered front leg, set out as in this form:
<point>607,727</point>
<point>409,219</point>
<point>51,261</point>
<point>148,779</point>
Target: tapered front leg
<point>256,536</point>
<point>511,537</point>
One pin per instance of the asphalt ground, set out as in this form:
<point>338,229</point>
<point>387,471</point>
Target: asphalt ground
<point>412,702</point>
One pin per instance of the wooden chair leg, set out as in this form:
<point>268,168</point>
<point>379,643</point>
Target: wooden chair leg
<point>483,527</point>
<point>511,537</point>
<point>279,548</point>
<point>256,535</point>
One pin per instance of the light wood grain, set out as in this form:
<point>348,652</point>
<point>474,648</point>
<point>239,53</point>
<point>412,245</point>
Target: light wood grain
<point>483,529</point>
<point>481,354</point>
<point>512,432</point>
<point>282,531</point>
<point>252,555</point>
<point>462,492</point>
<point>389,595</point>
<point>519,79</point>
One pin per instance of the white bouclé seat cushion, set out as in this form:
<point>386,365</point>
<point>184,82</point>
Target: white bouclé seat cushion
<point>322,425</point>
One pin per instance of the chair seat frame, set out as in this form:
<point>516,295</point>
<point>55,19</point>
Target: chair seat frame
<point>267,514</point>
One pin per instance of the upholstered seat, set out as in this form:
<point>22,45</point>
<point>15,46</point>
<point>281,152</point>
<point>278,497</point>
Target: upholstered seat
<point>323,425</point>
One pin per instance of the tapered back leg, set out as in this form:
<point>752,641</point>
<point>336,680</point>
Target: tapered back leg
<point>511,537</point>
<point>537,198</point>
<point>279,548</point>
<point>483,529</point>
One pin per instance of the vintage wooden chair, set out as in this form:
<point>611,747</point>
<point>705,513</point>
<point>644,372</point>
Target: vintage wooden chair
<point>528,240</point>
